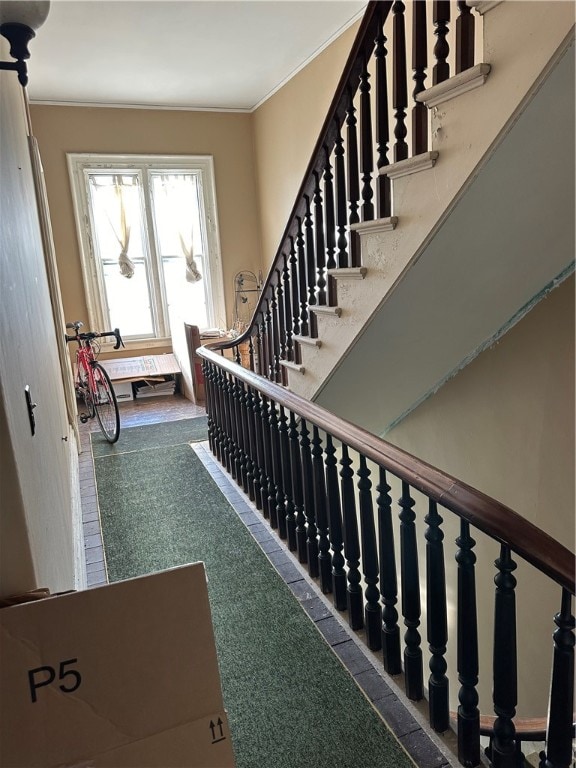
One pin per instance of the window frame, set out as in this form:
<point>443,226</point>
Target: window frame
<point>78,166</point>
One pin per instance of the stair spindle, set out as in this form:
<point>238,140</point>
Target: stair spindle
<point>413,672</point>
<point>372,610</point>
<point>366,147</point>
<point>437,623</point>
<point>330,225</point>
<point>324,559</point>
<point>419,64</point>
<point>335,527</point>
<point>287,480</point>
<point>308,493</point>
<point>297,495</point>
<point>353,177</point>
<point>400,87</point>
<point>351,542</point>
<point>319,235</point>
<point>558,753</point>
<point>341,220</point>
<point>302,279</point>
<point>440,18</point>
<point>311,274</point>
<point>295,286</point>
<point>382,129</point>
<point>388,583</point>
<point>287,294</point>
<point>505,695</point>
<point>464,37</point>
<point>467,651</point>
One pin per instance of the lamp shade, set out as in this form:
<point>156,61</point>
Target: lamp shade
<point>29,13</point>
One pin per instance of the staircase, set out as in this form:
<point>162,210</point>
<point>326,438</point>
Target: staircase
<point>400,264</point>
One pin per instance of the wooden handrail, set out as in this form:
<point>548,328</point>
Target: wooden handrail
<point>481,511</point>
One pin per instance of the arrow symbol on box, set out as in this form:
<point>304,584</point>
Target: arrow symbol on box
<point>213,727</point>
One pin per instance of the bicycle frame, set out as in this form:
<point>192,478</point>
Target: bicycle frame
<point>92,382</point>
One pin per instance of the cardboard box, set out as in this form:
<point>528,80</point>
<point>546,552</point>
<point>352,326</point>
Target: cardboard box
<point>121,675</point>
<point>123,390</point>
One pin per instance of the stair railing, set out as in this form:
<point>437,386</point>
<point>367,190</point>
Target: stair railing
<point>345,183</point>
<point>284,452</point>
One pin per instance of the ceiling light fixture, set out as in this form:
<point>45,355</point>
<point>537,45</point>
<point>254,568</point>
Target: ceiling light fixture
<point>18,21</point>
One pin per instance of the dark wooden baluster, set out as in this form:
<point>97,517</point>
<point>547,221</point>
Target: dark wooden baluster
<point>413,672</point>
<point>311,274</point>
<point>436,620</point>
<point>558,752</point>
<point>287,480</point>
<point>388,584</point>
<point>351,542</point>
<point>441,17</point>
<point>251,352</point>
<point>259,474</point>
<point>226,419</point>
<point>308,491</point>
<point>252,450</point>
<point>239,432</point>
<point>324,558</point>
<point>217,412</point>
<point>372,610</point>
<point>353,177</point>
<point>294,285</point>
<point>296,467</point>
<point>467,645</point>
<point>335,527</point>
<point>270,374</point>
<point>302,276</point>
<point>266,466</point>
<point>287,308</point>
<point>419,64</point>
<point>236,354</point>
<point>278,519</point>
<point>259,346</point>
<point>319,234</point>
<point>280,323</point>
<point>330,226</point>
<point>207,374</point>
<point>382,129</point>
<point>464,37</point>
<point>245,435</point>
<point>505,690</point>
<point>400,86</point>
<point>220,383</point>
<point>366,146</point>
<point>275,335</point>
<point>341,221</point>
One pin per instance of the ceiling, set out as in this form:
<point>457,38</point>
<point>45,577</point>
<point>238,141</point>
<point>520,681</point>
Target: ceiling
<point>178,54</point>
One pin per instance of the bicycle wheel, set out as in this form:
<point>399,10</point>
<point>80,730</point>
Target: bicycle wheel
<point>106,405</point>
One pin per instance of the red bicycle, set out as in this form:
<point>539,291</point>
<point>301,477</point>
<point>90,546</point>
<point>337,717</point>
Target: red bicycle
<point>92,382</point>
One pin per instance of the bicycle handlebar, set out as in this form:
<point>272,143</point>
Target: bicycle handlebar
<point>92,335</point>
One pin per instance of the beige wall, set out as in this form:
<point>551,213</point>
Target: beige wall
<point>286,128</point>
<point>225,136</point>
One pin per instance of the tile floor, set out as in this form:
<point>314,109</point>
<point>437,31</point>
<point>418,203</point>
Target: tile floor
<point>386,696</point>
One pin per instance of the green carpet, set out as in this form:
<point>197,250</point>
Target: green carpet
<point>152,436</point>
<point>290,702</point>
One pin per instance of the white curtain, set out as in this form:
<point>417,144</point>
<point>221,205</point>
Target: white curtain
<point>122,231</point>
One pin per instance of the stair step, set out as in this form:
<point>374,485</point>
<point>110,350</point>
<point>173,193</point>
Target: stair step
<point>376,227</point>
<point>415,164</point>
<point>455,86</point>
<point>348,273</point>
<point>293,366</point>
<point>324,310</point>
<point>307,340</point>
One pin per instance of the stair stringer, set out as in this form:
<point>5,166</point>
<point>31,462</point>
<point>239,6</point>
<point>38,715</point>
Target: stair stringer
<point>522,43</point>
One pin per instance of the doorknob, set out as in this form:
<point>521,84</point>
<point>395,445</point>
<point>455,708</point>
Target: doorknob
<point>30,405</point>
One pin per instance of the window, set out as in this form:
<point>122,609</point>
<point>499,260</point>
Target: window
<point>149,243</point>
